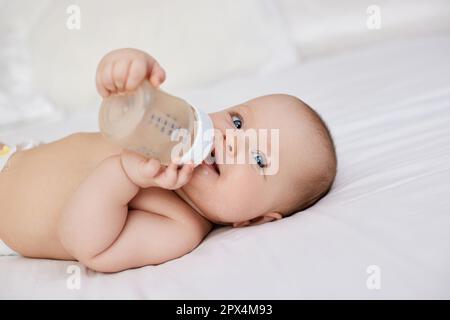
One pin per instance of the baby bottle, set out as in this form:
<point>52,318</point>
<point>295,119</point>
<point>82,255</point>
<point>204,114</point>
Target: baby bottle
<point>157,125</point>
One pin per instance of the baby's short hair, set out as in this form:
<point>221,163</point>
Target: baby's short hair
<point>321,181</point>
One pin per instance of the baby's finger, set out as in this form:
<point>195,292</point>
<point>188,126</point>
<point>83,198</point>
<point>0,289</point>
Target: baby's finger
<point>120,72</point>
<point>151,168</point>
<point>168,178</point>
<point>98,83</point>
<point>106,77</point>
<point>136,74</point>
<point>158,75</point>
<point>133,163</point>
<point>185,174</point>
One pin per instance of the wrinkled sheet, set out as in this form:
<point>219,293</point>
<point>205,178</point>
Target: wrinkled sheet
<point>388,107</point>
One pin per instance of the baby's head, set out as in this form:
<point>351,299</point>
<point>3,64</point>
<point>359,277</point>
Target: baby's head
<point>269,185</point>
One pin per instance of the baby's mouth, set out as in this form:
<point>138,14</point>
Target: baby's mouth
<point>210,161</point>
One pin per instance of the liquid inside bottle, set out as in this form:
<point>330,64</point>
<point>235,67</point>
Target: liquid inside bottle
<point>156,124</point>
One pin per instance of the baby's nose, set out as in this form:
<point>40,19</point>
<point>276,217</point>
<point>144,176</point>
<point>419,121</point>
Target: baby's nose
<point>230,148</point>
<point>224,147</point>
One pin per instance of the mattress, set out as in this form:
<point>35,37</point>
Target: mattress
<point>381,233</point>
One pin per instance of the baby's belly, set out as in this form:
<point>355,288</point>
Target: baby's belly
<point>36,186</point>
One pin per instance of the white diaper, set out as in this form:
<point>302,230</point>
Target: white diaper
<point>5,250</point>
<point>5,153</point>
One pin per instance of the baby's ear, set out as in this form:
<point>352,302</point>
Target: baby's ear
<point>268,217</point>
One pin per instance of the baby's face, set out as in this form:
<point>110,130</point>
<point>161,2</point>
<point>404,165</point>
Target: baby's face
<point>264,182</point>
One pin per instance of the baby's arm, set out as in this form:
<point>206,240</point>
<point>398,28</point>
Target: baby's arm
<point>97,228</point>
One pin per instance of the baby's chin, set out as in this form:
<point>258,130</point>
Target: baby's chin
<point>203,190</point>
<point>214,219</point>
<point>212,210</point>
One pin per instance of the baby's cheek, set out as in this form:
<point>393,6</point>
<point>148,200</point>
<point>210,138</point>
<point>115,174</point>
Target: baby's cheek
<point>240,203</point>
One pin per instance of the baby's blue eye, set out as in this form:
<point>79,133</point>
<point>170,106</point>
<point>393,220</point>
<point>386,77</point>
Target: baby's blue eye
<point>260,160</point>
<point>236,121</point>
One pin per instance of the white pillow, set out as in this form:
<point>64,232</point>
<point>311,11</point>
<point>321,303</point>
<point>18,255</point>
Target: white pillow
<point>196,41</point>
<point>320,27</point>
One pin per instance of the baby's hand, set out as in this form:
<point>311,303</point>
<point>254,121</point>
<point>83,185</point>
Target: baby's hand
<point>147,173</point>
<point>125,69</point>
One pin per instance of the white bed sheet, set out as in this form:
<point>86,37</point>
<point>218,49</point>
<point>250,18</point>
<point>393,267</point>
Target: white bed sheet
<point>389,109</point>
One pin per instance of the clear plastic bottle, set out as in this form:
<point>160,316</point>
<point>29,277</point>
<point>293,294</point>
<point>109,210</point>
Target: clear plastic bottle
<point>157,125</point>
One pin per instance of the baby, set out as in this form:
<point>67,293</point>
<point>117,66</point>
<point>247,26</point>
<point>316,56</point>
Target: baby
<point>84,198</point>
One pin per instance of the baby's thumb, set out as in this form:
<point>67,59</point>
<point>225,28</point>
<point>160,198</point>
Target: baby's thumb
<point>150,168</point>
<point>133,164</point>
